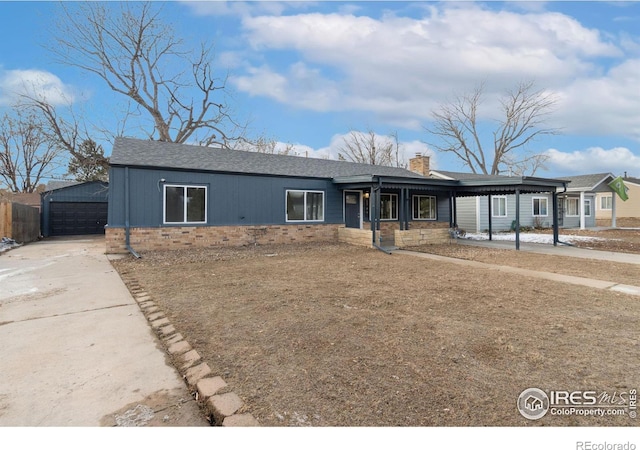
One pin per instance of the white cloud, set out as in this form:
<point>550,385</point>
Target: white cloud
<point>301,86</point>
<point>400,68</point>
<point>594,160</point>
<point>34,83</point>
<point>606,105</point>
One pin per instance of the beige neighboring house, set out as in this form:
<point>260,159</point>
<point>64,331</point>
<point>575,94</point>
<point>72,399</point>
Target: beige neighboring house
<point>626,212</point>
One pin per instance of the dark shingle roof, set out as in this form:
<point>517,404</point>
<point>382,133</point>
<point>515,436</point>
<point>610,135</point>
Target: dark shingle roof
<point>134,152</point>
<point>586,182</point>
<point>632,180</point>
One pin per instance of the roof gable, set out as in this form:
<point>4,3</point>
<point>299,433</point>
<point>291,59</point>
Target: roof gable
<point>139,153</point>
<point>587,182</point>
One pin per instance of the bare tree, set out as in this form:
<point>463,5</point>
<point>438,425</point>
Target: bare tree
<point>27,154</point>
<point>139,57</point>
<point>525,111</point>
<point>370,148</point>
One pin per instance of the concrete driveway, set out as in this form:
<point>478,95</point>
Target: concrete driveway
<point>75,348</point>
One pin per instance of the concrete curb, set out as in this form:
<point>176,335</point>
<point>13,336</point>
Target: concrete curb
<point>218,402</point>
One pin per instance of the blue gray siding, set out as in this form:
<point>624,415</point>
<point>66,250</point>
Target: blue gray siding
<point>233,199</point>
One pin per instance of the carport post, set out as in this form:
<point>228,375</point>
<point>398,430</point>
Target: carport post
<point>490,225</point>
<point>517,219</point>
<point>554,202</point>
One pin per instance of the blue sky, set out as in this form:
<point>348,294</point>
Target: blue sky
<point>308,73</point>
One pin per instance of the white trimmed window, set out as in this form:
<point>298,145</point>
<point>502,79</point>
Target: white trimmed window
<point>573,207</point>
<point>184,204</point>
<point>305,206</point>
<point>388,206</point>
<point>605,202</point>
<point>499,206</point>
<point>425,207</point>
<point>540,206</point>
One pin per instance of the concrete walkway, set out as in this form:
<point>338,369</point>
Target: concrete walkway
<point>562,250</point>
<point>545,249</point>
<point>76,349</point>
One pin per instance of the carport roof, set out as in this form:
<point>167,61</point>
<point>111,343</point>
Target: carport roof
<point>484,185</point>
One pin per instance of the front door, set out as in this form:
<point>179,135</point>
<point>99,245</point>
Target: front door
<point>352,209</point>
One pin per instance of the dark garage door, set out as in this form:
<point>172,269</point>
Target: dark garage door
<point>73,218</point>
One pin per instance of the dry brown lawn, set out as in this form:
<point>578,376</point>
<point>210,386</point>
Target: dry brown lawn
<point>336,335</point>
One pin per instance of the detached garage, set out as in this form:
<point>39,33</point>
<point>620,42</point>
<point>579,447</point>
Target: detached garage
<point>75,209</point>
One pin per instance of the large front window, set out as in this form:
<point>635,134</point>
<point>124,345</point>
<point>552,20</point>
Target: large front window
<point>424,207</point>
<point>388,207</point>
<point>185,204</point>
<point>540,206</point>
<point>499,206</point>
<point>305,206</point>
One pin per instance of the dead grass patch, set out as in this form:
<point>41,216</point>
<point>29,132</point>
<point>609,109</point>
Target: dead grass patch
<point>336,335</point>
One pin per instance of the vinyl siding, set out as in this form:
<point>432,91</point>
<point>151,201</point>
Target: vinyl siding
<point>473,213</point>
<point>467,214</point>
<point>232,199</point>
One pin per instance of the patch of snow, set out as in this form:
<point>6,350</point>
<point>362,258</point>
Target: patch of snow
<point>534,238</point>
<point>7,244</point>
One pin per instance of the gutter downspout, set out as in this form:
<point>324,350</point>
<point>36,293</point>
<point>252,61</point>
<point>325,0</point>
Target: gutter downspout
<point>126,214</point>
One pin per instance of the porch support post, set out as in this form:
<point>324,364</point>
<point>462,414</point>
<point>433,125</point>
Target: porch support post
<point>554,203</point>
<point>407,199</point>
<point>401,210</point>
<point>372,212</point>
<point>490,224</point>
<point>613,210</point>
<point>582,217</point>
<point>517,219</point>
<point>453,220</point>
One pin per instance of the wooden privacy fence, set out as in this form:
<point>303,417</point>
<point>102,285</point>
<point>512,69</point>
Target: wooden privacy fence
<point>19,222</point>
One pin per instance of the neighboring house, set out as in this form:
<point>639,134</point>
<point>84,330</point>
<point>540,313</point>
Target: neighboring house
<point>74,208</point>
<point>164,195</point>
<point>474,213</point>
<point>625,211</point>
<point>578,208</point>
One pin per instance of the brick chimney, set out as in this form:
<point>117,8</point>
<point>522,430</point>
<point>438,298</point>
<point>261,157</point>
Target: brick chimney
<point>419,164</point>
